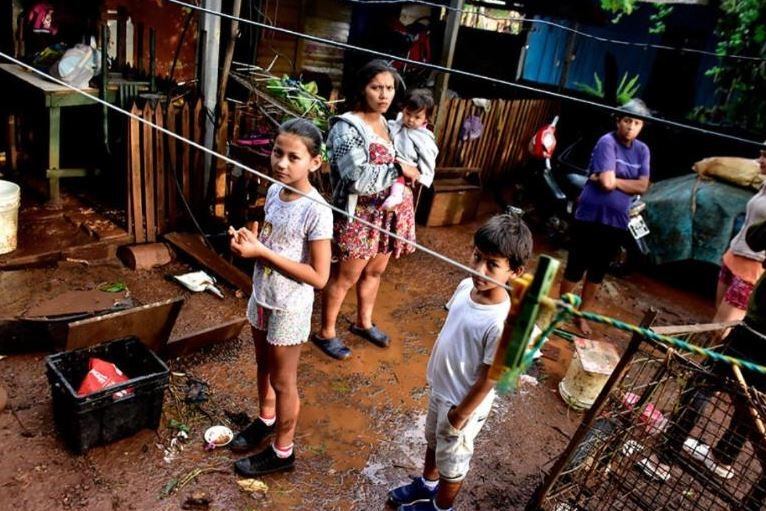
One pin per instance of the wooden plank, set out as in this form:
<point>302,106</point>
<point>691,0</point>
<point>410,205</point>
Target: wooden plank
<point>455,135</point>
<point>161,178</point>
<point>139,231</point>
<point>219,209</point>
<point>196,340</point>
<point>151,323</point>
<point>149,195</point>
<point>193,246</point>
<point>694,329</point>
<point>487,137</point>
<point>129,218</point>
<point>185,151</point>
<point>171,124</point>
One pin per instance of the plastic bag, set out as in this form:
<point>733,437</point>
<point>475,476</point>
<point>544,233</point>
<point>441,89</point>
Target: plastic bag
<point>743,172</point>
<point>102,375</point>
<point>78,66</point>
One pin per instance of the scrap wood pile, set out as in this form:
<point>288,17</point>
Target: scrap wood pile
<point>284,97</point>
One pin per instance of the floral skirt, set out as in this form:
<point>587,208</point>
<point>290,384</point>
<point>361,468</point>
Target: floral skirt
<point>354,240</point>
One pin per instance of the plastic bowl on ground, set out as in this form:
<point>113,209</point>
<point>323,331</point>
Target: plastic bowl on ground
<point>218,436</point>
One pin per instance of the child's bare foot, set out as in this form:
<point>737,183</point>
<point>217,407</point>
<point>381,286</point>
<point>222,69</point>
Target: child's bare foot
<point>582,326</point>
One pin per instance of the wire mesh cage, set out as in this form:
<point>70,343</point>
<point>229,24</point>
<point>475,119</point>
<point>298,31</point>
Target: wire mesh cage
<point>667,432</point>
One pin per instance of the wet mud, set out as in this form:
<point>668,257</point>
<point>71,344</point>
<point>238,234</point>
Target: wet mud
<point>361,425</point>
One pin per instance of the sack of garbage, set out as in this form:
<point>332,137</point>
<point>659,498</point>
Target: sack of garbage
<point>78,66</point>
<point>102,375</point>
<point>743,172</point>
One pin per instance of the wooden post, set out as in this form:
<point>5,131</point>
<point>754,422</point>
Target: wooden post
<point>448,48</point>
<point>173,174</point>
<point>219,209</point>
<point>210,65</point>
<point>149,197</point>
<point>135,176</point>
<point>229,56</point>
<point>161,184</point>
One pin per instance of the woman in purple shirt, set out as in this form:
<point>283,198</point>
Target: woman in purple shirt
<point>619,169</point>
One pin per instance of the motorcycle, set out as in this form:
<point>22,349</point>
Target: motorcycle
<point>557,189</point>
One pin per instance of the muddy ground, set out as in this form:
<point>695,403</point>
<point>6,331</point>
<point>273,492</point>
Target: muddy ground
<point>360,430</point>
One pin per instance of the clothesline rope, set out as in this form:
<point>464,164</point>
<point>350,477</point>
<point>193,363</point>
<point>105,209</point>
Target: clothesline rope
<point>538,21</point>
<point>467,74</point>
<point>261,175</point>
<point>566,305</point>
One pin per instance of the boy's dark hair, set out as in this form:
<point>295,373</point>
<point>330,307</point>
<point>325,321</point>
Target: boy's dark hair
<point>419,99</point>
<point>365,74</point>
<point>307,131</point>
<point>506,235</point>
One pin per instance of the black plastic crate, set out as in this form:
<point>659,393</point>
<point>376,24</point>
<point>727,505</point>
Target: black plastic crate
<point>99,418</point>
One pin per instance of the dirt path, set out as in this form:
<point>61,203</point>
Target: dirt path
<point>360,430</point>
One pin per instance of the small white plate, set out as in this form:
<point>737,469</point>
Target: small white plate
<point>218,433</point>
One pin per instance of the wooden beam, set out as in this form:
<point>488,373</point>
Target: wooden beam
<point>694,329</point>
<point>151,323</point>
<point>196,340</point>
<point>448,48</point>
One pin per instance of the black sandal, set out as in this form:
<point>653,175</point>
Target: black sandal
<point>375,335</point>
<point>332,347</point>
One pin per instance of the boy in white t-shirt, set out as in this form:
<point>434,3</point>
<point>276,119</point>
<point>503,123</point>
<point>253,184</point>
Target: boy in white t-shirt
<point>458,370</point>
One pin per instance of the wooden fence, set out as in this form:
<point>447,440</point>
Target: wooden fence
<point>502,146</point>
<point>158,165</point>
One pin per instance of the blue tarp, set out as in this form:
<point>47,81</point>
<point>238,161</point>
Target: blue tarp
<point>690,218</point>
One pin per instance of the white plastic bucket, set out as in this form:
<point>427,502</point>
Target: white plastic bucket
<point>592,363</point>
<point>10,199</point>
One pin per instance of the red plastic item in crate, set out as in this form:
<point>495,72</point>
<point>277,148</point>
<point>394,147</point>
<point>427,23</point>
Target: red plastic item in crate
<point>102,375</point>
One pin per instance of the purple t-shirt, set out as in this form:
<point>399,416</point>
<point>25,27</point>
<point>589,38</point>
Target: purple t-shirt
<point>611,207</point>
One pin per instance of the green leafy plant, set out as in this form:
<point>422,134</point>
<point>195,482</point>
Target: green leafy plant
<point>626,90</point>
<point>661,12</point>
<point>620,8</point>
<point>740,84</point>
<point>595,90</point>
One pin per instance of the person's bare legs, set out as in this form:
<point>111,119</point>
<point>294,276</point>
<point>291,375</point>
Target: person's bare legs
<point>567,286</point>
<point>589,291</point>
<point>447,493</point>
<point>448,490</point>
<point>367,289</point>
<point>720,291</point>
<point>267,398</point>
<point>343,278</point>
<point>727,312</point>
<point>283,361</point>
<point>430,472</point>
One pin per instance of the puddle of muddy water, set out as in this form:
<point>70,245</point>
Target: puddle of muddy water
<point>361,425</point>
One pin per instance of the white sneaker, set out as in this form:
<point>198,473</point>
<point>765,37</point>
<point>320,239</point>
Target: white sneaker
<point>701,452</point>
<point>654,468</point>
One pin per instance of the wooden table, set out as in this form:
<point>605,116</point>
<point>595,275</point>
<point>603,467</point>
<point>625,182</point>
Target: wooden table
<point>23,89</point>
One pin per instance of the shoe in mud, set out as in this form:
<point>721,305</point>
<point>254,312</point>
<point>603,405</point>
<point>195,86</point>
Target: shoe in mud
<point>265,462</point>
